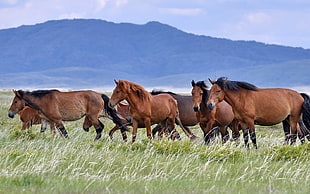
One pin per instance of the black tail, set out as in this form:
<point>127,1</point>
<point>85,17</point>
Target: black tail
<point>306,110</point>
<point>112,112</point>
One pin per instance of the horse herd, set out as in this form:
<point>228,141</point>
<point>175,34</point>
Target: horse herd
<point>233,104</point>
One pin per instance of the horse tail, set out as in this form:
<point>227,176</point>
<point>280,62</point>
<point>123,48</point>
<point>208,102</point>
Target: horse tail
<point>112,112</point>
<point>306,110</point>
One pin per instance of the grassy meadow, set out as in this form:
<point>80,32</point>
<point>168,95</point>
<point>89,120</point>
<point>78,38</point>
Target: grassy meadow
<point>34,162</point>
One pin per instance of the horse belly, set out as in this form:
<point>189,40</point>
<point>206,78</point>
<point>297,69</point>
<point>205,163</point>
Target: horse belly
<point>270,119</point>
<point>71,113</point>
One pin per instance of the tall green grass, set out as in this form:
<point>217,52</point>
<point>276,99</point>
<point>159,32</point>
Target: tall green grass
<point>32,162</point>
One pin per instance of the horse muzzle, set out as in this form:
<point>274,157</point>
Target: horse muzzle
<point>111,104</point>
<point>11,114</point>
<point>211,105</point>
<point>196,108</point>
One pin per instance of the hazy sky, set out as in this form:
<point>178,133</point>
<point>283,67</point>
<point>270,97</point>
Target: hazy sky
<point>285,22</point>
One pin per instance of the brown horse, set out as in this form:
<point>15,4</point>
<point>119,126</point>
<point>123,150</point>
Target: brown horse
<point>187,115</point>
<point>252,105</point>
<point>221,116</point>
<point>30,117</point>
<point>145,108</point>
<point>55,106</point>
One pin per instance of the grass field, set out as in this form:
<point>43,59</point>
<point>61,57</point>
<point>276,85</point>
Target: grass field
<point>34,162</point>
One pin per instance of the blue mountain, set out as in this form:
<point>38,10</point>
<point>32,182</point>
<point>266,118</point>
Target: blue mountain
<point>88,53</point>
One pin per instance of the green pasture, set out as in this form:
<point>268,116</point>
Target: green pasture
<point>34,162</point>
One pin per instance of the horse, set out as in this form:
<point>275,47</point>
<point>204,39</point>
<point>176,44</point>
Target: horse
<point>262,106</point>
<point>187,115</point>
<point>146,109</point>
<point>55,106</point>
<point>122,110</point>
<point>221,116</point>
<point>29,117</point>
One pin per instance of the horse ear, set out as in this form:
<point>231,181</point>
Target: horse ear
<point>193,83</point>
<point>19,93</point>
<point>116,82</point>
<point>211,81</point>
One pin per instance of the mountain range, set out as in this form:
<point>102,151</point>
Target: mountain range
<point>91,53</point>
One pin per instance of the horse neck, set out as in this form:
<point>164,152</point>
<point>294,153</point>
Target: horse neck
<point>203,104</point>
<point>232,97</point>
<point>31,101</point>
<point>135,101</point>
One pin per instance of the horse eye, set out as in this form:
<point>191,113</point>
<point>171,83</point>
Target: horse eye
<point>15,102</point>
<point>218,91</point>
<point>117,92</point>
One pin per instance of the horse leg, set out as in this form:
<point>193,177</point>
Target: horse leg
<point>111,132</point>
<point>43,125</point>
<point>186,130</point>
<point>155,130</point>
<point>123,132</point>
<point>24,126</point>
<point>87,124</point>
<point>252,134</point>
<point>208,132</point>
<point>235,130</point>
<point>174,134</point>
<point>301,135</point>
<point>134,130</point>
<point>99,128</point>
<point>293,124</point>
<point>224,133</point>
<point>286,129</point>
<point>53,129</point>
<point>62,129</point>
<point>147,123</point>
<point>304,129</point>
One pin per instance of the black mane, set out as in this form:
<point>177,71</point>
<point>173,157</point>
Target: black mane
<point>206,93</point>
<point>234,85</point>
<point>156,92</point>
<point>41,93</point>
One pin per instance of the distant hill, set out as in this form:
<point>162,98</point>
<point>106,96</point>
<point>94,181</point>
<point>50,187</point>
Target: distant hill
<point>88,53</point>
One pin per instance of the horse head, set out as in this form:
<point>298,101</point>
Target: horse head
<point>216,94</point>
<point>199,92</point>
<point>17,105</point>
<point>119,93</point>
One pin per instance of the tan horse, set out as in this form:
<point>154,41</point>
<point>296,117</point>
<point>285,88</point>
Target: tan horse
<point>145,108</point>
<point>56,106</point>
<point>221,116</point>
<point>30,117</point>
<point>252,105</point>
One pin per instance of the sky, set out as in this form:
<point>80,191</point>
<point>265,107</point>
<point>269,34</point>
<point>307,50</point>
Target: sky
<point>283,22</point>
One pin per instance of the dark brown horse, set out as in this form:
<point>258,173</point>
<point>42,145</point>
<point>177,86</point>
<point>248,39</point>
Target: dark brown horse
<point>221,116</point>
<point>145,109</point>
<point>187,115</point>
<point>55,106</point>
<point>252,105</point>
<point>29,117</point>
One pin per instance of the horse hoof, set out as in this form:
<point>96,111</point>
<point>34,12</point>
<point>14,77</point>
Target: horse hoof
<point>98,137</point>
<point>42,130</point>
<point>86,129</point>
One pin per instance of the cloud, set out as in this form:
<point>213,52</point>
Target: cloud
<point>182,11</point>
